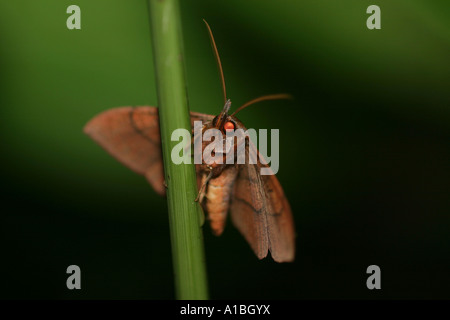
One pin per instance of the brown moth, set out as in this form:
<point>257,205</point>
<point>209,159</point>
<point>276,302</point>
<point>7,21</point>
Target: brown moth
<point>258,206</point>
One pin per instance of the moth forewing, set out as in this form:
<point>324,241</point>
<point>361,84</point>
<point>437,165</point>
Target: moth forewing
<point>131,135</point>
<point>280,221</point>
<point>266,207</point>
<point>247,209</point>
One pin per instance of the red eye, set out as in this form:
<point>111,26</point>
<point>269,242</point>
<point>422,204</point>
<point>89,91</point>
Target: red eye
<point>228,126</point>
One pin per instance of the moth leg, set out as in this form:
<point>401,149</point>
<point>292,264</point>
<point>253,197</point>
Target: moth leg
<point>201,192</point>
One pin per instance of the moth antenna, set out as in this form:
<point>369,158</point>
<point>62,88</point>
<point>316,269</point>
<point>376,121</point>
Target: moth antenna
<point>264,98</point>
<point>219,64</point>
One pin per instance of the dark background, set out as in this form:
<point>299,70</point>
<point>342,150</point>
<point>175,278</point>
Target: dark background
<point>364,146</point>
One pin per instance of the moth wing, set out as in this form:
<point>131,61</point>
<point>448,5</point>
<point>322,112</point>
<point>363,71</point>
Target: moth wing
<point>247,209</point>
<point>131,135</point>
<point>280,222</point>
<point>261,211</point>
<point>197,116</point>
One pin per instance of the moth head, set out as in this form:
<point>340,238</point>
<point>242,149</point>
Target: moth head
<point>223,121</point>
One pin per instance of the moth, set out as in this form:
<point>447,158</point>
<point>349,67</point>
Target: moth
<point>259,209</point>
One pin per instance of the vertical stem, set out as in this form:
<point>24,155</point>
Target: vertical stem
<point>186,234</point>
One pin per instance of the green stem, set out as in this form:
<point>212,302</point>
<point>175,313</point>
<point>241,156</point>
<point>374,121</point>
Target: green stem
<point>185,230</point>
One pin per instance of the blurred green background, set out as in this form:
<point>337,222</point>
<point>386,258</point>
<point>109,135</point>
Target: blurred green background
<point>364,146</point>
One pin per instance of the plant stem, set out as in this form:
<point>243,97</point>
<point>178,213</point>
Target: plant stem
<point>184,212</point>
